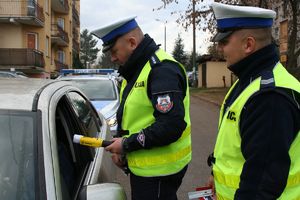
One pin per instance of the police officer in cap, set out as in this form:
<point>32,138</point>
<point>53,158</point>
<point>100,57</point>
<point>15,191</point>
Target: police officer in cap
<point>256,154</point>
<point>153,118</point>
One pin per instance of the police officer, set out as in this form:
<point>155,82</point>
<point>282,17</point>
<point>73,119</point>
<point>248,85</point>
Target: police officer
<point>153,118</point>
<point>256,154</point>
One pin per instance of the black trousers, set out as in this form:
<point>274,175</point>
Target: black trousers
<point>156,188</point>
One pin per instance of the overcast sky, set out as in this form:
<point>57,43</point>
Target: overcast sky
<point>97,13</point>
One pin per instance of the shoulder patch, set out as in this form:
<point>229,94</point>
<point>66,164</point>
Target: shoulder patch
<point>141,138</point>
<point>164,103</point>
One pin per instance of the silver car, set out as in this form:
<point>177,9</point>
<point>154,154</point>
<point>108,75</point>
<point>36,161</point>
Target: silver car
<point>38,119</point>
<point>101,87</point>
<point>12,74</point>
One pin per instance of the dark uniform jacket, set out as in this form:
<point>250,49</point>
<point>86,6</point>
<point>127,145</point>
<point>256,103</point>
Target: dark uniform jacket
<point>269,124</point>
<point>166,78</point>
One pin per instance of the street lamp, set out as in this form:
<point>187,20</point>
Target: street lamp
<point>165,34</point>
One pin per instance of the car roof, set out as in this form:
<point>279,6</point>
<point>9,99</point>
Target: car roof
<point>19,94</point>
<point>87,74</point>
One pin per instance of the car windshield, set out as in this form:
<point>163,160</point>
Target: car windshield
<point>17,168</point>
<point>97,89</point>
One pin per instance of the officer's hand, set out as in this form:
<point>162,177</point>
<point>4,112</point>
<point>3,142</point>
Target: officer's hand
<point>116,146</point>
<point>117,159</point>
<point>211,183</point>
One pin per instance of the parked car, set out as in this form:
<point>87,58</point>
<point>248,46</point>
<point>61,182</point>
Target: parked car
<point>101,87</point>
<point>13,74</point>
<point>190,76</point>
<point>38,118</point>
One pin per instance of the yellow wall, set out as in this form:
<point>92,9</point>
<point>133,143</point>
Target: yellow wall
<point>214,74</point>
<point>11,36</point>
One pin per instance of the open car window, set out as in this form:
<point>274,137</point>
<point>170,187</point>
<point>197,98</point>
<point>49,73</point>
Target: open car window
<point>74,115</point>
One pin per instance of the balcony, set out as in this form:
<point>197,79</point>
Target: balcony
<point>22,12</point>
<point>59,65</point>
<point>75,16</point>
<point>76,46</point>
<point>75,34</point>
<point>21,57</point>
<point>59,36</point>
<point>60,6</point>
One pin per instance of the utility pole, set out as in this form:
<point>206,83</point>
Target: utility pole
<point>165,32</point>
<point>195,84</point>
<point>165,37</point>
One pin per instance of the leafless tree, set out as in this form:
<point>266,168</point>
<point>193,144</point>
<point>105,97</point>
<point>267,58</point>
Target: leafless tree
<point>205,19</point>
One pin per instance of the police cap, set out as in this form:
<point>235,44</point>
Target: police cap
<point>110,33</point>
<point>232,17</point>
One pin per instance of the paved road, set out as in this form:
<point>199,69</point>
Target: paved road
<point>204,116</point>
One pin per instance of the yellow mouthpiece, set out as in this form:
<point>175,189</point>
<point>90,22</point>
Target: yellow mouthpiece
<point>87,141</point>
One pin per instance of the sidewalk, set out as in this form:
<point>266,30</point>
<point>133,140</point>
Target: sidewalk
<point>213,95</point>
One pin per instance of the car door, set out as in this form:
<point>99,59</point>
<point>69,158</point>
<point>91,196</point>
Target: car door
<point>73,114</point>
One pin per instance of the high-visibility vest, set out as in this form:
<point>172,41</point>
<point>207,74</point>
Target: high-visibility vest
<point>229,159</point>
<point>138,114</point>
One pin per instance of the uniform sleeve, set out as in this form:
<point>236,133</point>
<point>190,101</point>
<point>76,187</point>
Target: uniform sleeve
<point>166,89</point>
<point>269,124</point>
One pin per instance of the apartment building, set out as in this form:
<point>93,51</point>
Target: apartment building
<point>38,37</point>
<point>280,29</point>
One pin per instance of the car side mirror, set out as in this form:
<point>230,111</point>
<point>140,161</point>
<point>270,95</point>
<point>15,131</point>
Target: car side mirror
<point>105,191</point>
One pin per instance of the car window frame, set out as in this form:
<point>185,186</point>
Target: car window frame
<point>81,152</point>
<point>63,96</point>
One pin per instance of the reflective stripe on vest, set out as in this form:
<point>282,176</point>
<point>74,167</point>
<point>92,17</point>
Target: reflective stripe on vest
<point>138,114</point>
<point>229,159</point>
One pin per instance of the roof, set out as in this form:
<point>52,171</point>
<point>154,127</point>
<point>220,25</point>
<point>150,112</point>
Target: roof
<point>208,57</point>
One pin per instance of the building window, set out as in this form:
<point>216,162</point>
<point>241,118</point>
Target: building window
<point>47,46</point>
<point>61,56</point>
<point>47,6</point>
<point>61,23</point>
<point>71,29</point>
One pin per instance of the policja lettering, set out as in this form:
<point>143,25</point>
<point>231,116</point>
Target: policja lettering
<point>139,84</point>
<point>231,115</point>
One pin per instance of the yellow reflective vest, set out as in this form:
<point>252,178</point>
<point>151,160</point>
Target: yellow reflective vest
<point>138,114</point>
<point>229,159</point>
